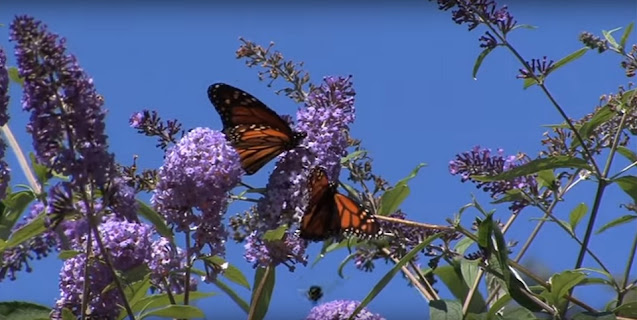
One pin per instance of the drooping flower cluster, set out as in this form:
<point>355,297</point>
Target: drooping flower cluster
<point>482,162</point>
<point>67,119</point>
<point>4,118</point>
<point>341,310</point>
<point>128,245</point>
<point>328,112</point>
<point>476,12</point>
<point>263,252</point>
<point>16,258</point>
<point>538,68</point>
<point>198,172</point>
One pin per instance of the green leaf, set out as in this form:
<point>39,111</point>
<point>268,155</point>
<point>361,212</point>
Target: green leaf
<point>619,221</point>
<point>628,309</point>
<point>546,178</point>
<point>67,254</point>
<point>537,165</point>
<point>14,205</point>
<point>463,244</point>
<point>263,302</point>
<point>629,185</point>
<point>627,153</point>
<point>453,278</point>
<point>22,310</point>
<point>570,58</point>
<point>478,63</point>
<point>42,173</point>
<point>155,219</point>
<point>560,284</point>
<point>627,31</point>
<point>14,75</point>
<point>518,314</point>
<point>524,26</point>
<point>134,293</point>
<point>176,312</point>
<point>501,303</point>
<point>230,272</point>
<point>445,310</point>
<point>392,198</point>
<point>609,37</point>
<point>601,116</point>
<point>162,299</point>
<point>595,316</point>
<point>577,214</point>
<point>233,295</point>
<point>528,82</point>
<point>392,272</point>
<point>352,155</point>
<point>469,271</point>
<point>33,228</point>
<point>510,196</point>
<point>68,314</point>
<point>341,266</point>
<point>275,234</point>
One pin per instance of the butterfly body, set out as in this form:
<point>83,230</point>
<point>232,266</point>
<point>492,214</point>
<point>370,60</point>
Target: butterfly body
<point>330,213</point>
<point>257,132</point>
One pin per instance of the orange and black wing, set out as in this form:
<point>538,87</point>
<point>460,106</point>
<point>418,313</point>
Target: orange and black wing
<point>354,219</point>
<point>254,130</point>
<point>320,220</point>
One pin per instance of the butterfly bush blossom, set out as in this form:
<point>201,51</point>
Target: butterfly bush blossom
<point>198,172</point>
<point>328,112</point>
<point>4,118</point>
<point>67,119</point>
<point>165,263</point>
<point>481,161</point>
<point>128,245</point>
<point>340,310</point>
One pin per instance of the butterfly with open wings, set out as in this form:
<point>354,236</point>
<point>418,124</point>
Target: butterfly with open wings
<point>330,213</point>
<point>254,130</point>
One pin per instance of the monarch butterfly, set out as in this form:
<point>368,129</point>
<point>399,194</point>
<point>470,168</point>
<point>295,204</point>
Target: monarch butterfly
<point>254,130</point>
<point>330,213</point>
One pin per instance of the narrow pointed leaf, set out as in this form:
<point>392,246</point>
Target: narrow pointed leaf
<point>626,34</point>
<point>14,206</point>
<point>14,75</point>
<point>352,155</point>
<point>233,295</point>
<point>23,310</point>
<point>263,302</point>
<point>577,214</point>
<point>275,234</point>
<point>627,153</point>
<point>601,116</point>
<point>537,165</point>
<point>394,197</point>
<point>523,26</point>
<point>561,283</point>
<point>629,185</point>
<point>176,312</point>
<point>478,63</point>
<point>617,222</point>
<point>546,178</point>
<point>155,219</point>
<point>568,59</point>
<point>33,228</point>
<point>528,82</point>
<point>609,37</point>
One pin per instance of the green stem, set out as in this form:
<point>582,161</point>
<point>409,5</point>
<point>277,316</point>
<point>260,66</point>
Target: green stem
<point>258,292</point>
<point>85,290</point>
<point>188,267</point>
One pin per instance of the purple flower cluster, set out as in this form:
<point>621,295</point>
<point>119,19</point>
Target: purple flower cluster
<point>4,118</point>
<point>128,245</point>
<point>16,258</point>
<point>328,112</point>
<point>340,310</point>
<point>67,119</point>
<point>260,252</point>
<point>482,162</point>
<point>198,172</point>
<point>166,263</point>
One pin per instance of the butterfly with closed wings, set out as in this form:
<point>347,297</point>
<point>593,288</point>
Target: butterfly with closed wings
<point>254,130</point>
<point>330,213</point>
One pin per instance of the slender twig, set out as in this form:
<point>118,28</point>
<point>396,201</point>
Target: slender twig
<point>629,265</point>
<point>415,224</point>
<point>85,288</point>
<point>188,267</point>
<point>22,160</point>
<point>171,297</point>
<point>258,292</point>
<point>417,284</point>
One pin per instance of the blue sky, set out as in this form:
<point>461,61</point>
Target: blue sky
<point>416,102</point>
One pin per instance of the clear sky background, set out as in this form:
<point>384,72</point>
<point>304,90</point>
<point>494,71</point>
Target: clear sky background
<point>416,102</point>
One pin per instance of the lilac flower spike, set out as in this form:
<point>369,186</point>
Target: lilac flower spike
<point>198,172</point>
<point>340,310</point>
<point>67,119</point>
<point>329,110</point>
<point>4,118</point>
